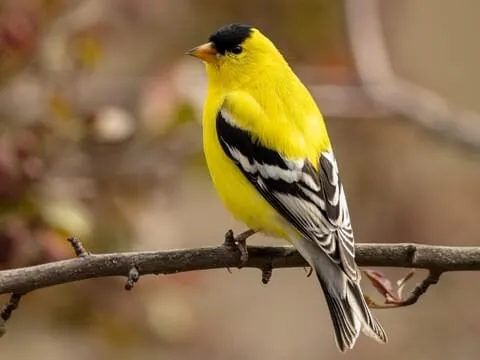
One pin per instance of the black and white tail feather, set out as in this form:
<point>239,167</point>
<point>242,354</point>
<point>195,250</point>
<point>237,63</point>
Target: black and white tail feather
<point>312,200</point>
<point>348,309</point>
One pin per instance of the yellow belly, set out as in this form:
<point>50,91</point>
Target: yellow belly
<point>237,193</point>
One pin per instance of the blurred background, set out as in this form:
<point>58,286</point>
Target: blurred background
<point>100,137</point>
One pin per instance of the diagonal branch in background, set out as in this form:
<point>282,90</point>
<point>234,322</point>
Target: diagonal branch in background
<point>436,258</point>
<point>418,104</point>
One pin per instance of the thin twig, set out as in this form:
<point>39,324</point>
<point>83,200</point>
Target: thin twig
<point>393,300</point>
<point>431,279</point>
<point>11,306</point>
<point>77,247</point>
<point>441,258</point>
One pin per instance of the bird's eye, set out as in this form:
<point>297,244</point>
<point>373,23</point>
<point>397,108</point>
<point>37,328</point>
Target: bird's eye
<point>237,49</point>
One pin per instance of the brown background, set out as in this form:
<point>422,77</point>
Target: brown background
<point>134,178</point>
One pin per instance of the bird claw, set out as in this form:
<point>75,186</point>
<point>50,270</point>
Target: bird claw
<point>309,271</point>
<point>240,243</point>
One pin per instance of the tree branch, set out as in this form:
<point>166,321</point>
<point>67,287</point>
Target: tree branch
<point>432,278</point>
<point>383,86</point>
<point>395,299</point>
<point>437,258</point>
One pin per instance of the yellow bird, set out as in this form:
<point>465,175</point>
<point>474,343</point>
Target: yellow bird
<point>271,161</point>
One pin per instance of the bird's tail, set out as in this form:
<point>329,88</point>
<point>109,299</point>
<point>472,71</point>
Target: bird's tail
<point>349,311</point>
<point>350,314</point>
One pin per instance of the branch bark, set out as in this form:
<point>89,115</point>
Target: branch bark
<point>23,280</point>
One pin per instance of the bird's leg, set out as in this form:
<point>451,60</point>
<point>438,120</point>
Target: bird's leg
<point>240,242</point>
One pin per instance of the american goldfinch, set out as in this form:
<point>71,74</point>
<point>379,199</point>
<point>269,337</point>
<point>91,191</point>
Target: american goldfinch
<point>271,161</point>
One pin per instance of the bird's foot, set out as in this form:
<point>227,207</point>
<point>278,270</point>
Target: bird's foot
<point>240,243</point>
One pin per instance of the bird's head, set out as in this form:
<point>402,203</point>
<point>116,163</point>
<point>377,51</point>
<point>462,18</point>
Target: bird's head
<point>236,53</point>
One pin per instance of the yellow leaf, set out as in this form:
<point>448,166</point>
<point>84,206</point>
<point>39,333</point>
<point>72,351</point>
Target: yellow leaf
<point>67,217</point>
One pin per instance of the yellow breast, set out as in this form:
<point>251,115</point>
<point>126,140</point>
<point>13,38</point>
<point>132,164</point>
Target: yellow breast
<point>236,192</point>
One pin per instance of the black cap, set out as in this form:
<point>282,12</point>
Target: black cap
<point>230,36</point>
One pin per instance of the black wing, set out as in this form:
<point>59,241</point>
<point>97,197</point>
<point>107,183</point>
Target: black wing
<point>312,201</point>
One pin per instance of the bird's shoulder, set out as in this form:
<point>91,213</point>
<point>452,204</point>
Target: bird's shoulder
<point>294,134</point>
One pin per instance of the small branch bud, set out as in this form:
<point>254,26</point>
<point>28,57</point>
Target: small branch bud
<point>133,277</point>
<point>77,247</point>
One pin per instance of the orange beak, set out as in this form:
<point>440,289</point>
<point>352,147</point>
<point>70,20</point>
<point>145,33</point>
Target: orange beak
<point>205,52</point>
